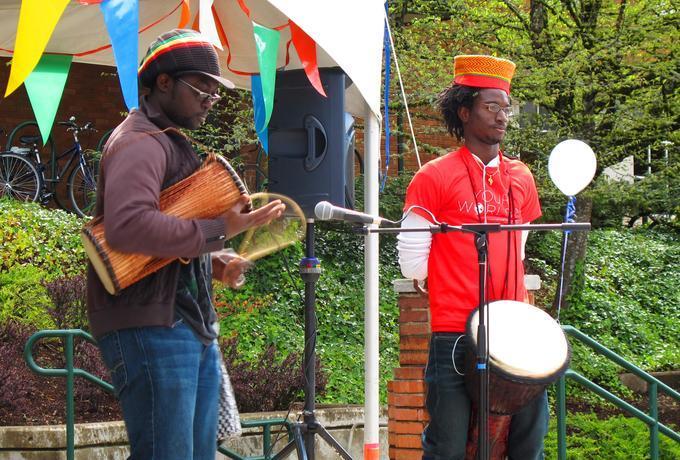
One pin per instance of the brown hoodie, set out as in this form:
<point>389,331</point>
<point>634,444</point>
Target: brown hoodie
<point>138,162</point>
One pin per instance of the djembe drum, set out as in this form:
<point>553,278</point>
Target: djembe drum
<point>527,352</point>
<point>209,192</point>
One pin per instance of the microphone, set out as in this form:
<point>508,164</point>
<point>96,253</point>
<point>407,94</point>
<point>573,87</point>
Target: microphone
<point>326,211</point>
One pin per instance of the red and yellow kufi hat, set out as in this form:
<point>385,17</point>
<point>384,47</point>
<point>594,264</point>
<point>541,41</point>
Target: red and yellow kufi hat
<point>483,71</point>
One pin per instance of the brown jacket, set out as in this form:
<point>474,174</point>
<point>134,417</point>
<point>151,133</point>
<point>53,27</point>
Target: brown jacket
<point>138,162</point>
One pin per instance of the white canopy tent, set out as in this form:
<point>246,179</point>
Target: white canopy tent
<point>348,34</point>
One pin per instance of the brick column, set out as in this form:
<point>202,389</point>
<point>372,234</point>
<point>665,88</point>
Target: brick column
<point>406,393</point>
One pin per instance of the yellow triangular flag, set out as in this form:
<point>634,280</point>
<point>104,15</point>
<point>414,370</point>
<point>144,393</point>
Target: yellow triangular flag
<point>37,20</point>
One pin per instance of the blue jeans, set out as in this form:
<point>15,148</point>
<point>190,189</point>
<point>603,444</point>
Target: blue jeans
<point>445,437</point>
<point>167,382</point>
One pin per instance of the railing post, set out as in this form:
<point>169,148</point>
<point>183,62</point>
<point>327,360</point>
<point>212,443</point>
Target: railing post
<point>562,418</point>
<point>653,428</point>
<point>70,416</point>
<point>266,441</point>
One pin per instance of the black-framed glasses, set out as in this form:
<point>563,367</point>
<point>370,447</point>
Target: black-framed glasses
<point>202,95</point>
<point>495,108</point>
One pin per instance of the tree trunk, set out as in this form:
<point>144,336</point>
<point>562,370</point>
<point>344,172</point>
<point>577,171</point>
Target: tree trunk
<point>576,253</point>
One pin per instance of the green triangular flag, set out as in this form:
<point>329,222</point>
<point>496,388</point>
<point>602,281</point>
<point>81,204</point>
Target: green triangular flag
<point>45,86</point>
<point>267,47</point>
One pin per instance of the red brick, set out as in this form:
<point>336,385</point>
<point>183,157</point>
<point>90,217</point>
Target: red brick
<point>414,343</point>
<point>406,427</point>
<point>405,454</point>
<point>406,386</point>
<point>407,358</point>
<point>408,440</point>
<point>409,373</point>
<point>414,316</point>
<point>413,302</point>
<point>395,413</point>
<point>406,400</point>
<point>422,328</point>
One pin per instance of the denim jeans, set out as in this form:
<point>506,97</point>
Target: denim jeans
<point>167,382</point>
<point>445,437</point>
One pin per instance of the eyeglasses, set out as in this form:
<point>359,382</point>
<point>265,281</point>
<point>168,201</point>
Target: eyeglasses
<point>495,108</point>
<point>201,95</point>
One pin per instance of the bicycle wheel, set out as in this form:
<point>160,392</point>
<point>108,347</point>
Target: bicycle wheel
<point>30,129</point>
<point>82,187</point>
<point>102,141</point>
<point>19,178</point>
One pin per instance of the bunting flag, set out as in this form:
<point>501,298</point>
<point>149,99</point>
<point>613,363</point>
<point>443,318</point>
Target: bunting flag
<point>267,46</point>
<point>37,19</point>
<point>122,22</point>
<point>259,112</point>
<point>45,86</point>
<point>186,15</point>
<point>306,51</point>
<point>206,23</point>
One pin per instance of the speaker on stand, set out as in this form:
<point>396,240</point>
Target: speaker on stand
<point>311,159</point>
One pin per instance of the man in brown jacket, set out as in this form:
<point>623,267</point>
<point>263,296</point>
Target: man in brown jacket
<point>157,336</point>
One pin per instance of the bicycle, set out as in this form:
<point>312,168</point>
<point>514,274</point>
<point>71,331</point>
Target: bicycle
<point>22,174</point>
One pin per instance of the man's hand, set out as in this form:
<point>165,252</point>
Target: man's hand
<point>237,220</point>
<point>229,268</point>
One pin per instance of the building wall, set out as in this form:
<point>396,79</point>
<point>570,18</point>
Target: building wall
<point>92,93</point>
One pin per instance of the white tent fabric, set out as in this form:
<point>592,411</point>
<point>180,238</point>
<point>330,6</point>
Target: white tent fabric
<point>348,34</point>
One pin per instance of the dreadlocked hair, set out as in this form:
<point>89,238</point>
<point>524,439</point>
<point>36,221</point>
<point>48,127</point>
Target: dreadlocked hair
<point>448,103</point>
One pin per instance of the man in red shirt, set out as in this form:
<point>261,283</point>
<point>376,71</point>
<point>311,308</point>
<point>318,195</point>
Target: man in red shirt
<point>474,184</point>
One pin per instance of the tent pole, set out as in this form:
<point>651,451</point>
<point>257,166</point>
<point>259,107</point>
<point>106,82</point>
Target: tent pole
<point>371,279</point>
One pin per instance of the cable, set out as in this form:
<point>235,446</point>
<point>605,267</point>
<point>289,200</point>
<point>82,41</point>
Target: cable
<point>386,96</point>
<point>403,93</point>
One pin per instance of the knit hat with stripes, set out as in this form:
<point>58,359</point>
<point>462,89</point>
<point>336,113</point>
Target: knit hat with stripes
<point>483,72</point>
<point>179,52</point>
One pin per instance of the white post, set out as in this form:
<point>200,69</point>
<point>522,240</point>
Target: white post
<point>649,160</point>
<point>371,283</point>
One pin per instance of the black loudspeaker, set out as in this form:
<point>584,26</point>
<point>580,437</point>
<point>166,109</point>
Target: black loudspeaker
<point>311,141</point>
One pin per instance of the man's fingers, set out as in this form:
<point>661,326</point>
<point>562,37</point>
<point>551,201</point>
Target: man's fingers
<point>268,212</point>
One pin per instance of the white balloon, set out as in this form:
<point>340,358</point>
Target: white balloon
<point>572,166</point>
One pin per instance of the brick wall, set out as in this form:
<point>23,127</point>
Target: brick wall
<point>92,93</point>
<point>406,393</point>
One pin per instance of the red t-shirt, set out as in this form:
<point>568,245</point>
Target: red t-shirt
<point>451,187</point>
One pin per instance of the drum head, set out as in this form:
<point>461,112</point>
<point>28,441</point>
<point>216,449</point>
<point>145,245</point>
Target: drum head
<point>523,340</point>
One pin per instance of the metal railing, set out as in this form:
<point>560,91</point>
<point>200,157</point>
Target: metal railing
<point>267,445</point>
<point>70,372</point>
<point>654,384</point>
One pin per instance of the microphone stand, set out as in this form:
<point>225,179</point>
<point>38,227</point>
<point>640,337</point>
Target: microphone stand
<point>303,441</point>
<point>481,232</point>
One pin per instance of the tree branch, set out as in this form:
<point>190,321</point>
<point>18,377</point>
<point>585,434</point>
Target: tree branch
<point>516,11</point>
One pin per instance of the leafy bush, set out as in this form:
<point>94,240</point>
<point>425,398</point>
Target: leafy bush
<point>267,383</point>
<point>17,387</point>
<point>614,438</point>
<point>269,310</point>
<point>69,302</point>
<point>23,298</point>
<point>44,238</point>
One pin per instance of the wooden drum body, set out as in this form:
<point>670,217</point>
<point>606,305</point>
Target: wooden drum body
<point>527,352</point>
<point>209,192</point>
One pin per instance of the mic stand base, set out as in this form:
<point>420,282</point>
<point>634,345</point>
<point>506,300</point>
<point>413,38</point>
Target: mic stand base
<point>304,432</point>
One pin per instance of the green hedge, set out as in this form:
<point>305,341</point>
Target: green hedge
<point>615,438</point>
<point>36,245</point>
<point>44,238</point>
